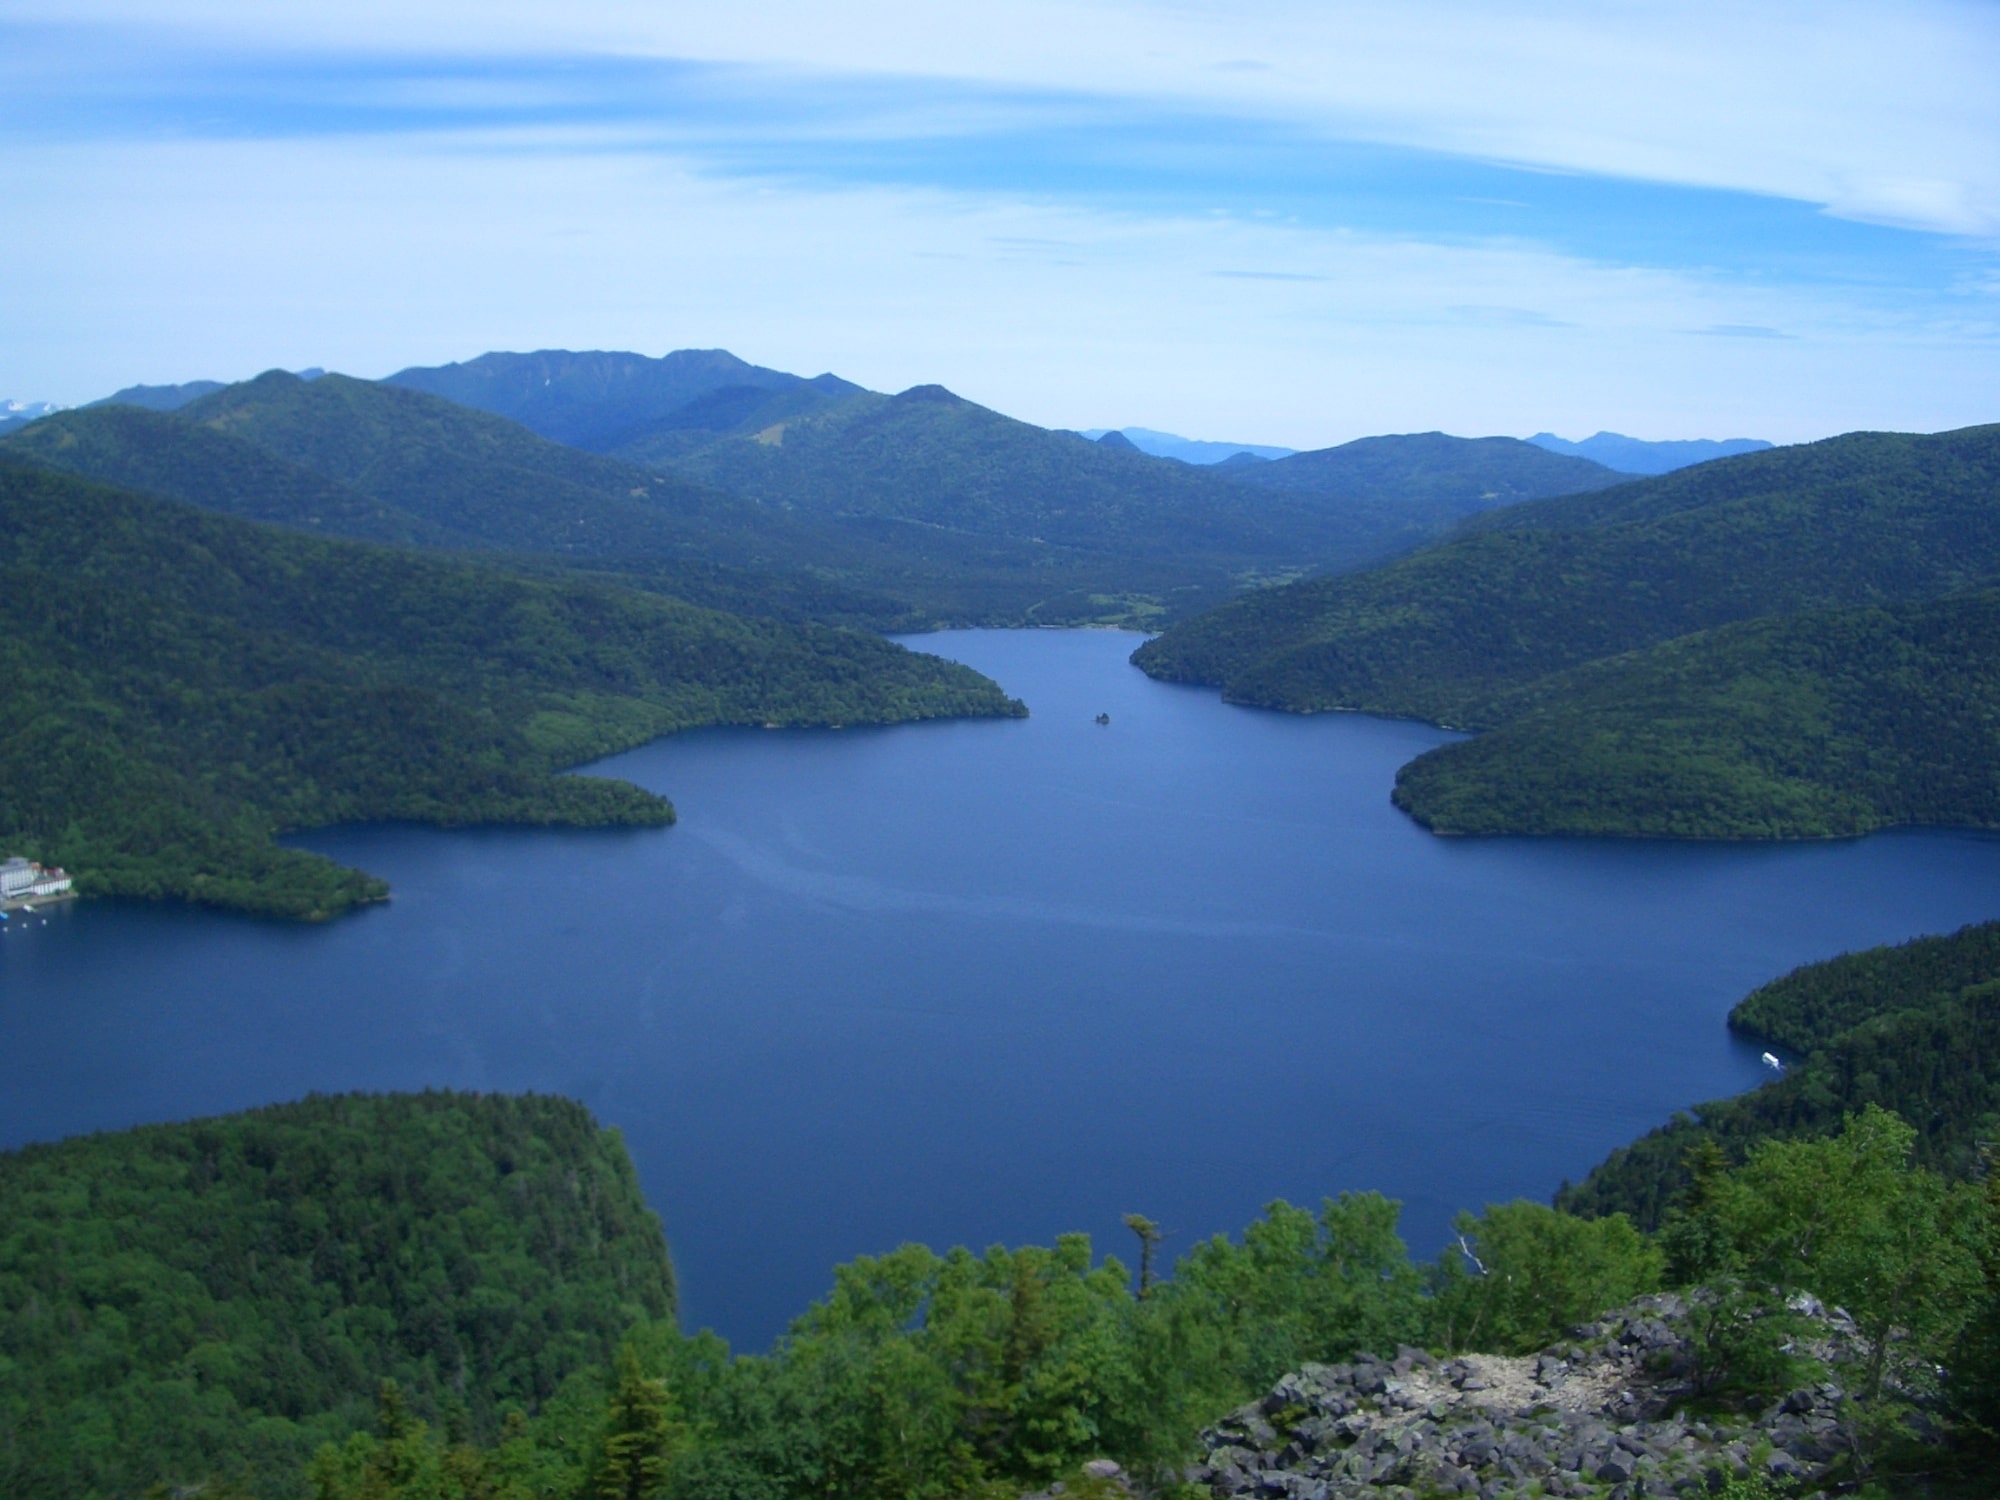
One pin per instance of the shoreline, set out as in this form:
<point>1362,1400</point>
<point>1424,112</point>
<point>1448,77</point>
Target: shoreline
<point>31,903</point>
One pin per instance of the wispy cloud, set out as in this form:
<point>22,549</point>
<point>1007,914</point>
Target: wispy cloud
<point>1268,276</point>
<point>1741,331</point>
<point>1883,113</point>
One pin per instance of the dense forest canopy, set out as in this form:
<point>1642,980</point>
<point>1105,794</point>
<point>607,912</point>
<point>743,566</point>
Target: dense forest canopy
<point>1802,726</point>
<point>186,685</point>
<point>223,1297</point>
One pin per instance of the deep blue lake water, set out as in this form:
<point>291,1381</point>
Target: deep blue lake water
<point>970,982</point>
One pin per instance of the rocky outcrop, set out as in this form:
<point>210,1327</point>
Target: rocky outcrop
<point>1602,1415</point>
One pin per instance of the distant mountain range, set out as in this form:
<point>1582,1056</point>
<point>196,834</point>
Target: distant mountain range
<point>991,519</point>
<point>1187,450</point>
<point>1635,456</point>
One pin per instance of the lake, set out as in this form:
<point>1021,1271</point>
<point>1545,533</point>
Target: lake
<point>991,981</point>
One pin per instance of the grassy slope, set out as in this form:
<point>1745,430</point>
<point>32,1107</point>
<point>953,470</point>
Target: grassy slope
<point>1913,1028</point>
<point>1545,587</point>
<point>1802,726</point>
<point>218,1298</point>
<point>187,685</point>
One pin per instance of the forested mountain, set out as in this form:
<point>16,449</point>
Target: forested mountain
<point>351,458</point>
<point>1914,1029</point>
<point>215,1300</point>
<point>1420,485</point>
<point>1547,586</point>
<point>997,519</point>
<point>1814,725</point>
<point>183,685</point>
<point>1637,456</point>
<point>149,451</point>
<point>591,399</point>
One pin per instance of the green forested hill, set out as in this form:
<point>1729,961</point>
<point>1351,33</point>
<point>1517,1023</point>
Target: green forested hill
<point>185,685</point>
<point>1425,483</point>
<point>929,457</point>
<point>1548,586</point>
<point>491,483</point>
<point>1800,726</point>
<point>1914,1029</point>
<point>215,1300</point>
<point>140,449</point>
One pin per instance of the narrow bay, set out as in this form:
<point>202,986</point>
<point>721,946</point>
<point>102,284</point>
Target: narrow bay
<point>966,982</point>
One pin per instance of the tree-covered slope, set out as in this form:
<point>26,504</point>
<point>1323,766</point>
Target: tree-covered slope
<point>930,458</point>
<point>1913,1028</point>
<point>147,450</point>
<point>1547,586</point>
<point>185,685</point>
<point>1801,726</point>
<point>491,483</point>
<point>214,1300</point>
<point>1422,484</point>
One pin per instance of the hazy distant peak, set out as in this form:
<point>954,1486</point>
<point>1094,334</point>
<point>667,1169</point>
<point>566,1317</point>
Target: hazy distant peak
<point>1187,450</point>
<point>1637,456</point>
<point>595,398</point>
<point>160,397</point>
<point>1117,440</point>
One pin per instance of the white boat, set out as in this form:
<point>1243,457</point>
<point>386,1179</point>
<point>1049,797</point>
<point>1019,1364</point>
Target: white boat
<point>1771,1061</point>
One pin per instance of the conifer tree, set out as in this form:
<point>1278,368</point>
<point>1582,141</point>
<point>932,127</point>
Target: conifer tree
<point>639,1434</point>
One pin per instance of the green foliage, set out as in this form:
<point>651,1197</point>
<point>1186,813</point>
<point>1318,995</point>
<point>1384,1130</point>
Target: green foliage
<point>640,1434</point>
<point>1526,1274</point>
<point>220,1298</point>
<point>1914,1029</point>
<point>919,1375</point>
<point>184,686</point>
<point>1850,1221</point>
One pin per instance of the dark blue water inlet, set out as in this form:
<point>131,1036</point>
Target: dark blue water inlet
<point>972,982</point>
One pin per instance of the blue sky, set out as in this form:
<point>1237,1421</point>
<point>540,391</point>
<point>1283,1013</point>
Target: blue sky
<point>1267,221</point>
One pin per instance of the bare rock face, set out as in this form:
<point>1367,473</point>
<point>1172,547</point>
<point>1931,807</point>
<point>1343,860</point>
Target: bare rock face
<point>1601,1415</point>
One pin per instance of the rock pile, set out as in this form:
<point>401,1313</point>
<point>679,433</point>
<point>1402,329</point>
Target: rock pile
<point>1599,1416</point>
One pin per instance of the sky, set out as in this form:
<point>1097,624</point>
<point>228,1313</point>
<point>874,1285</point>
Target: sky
<point>1264,221</point>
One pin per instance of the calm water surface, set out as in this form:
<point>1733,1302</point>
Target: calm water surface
<point>971,982</point>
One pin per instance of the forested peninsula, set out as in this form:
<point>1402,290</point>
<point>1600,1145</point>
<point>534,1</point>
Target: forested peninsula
<point>459,1297</point>
<point>183,686</point>
<point>1791,643</point>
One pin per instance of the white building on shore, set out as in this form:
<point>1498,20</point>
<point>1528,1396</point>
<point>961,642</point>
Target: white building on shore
<point>24,880</point>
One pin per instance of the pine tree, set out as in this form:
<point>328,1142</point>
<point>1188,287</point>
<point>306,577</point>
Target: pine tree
<point>639,1436</point>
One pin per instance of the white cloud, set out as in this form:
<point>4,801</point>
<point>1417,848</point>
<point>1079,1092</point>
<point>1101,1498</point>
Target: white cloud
<point>184,260</point>
<point>1880,112</point>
